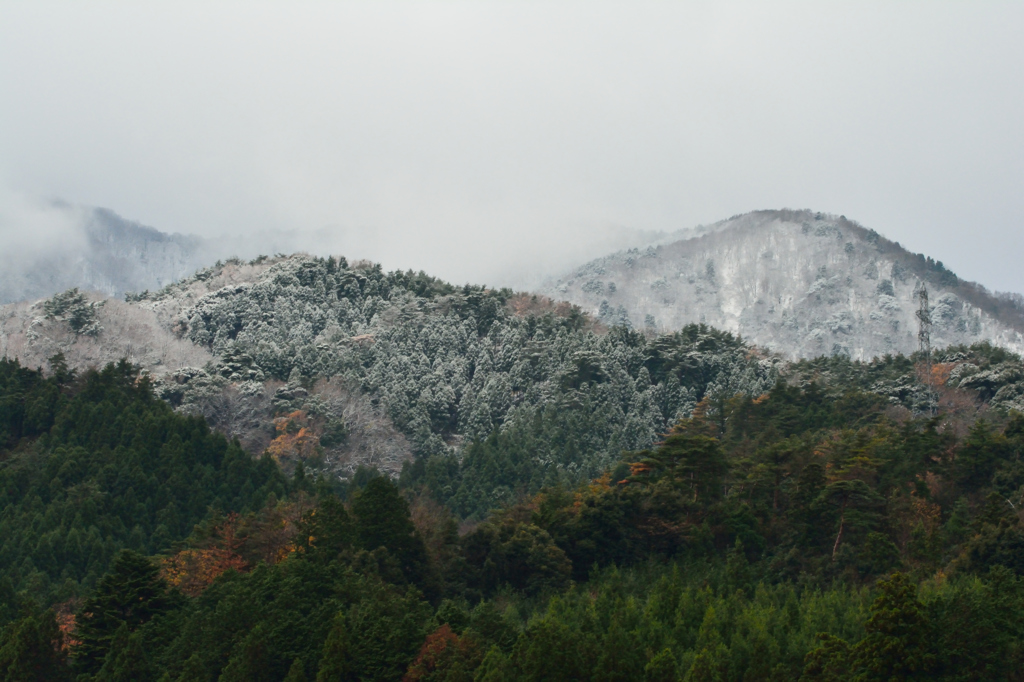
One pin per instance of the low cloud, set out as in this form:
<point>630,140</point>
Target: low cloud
<point>496,142</point>
<point>31,228</point>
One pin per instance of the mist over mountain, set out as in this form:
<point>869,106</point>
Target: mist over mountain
<point>52,248</point>
<point>49,248</point>
<point>801,283</point>
<point>98,250</point>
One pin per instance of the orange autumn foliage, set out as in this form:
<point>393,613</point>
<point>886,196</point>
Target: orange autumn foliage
<point>941,372</point>
<point>296,437</point>
<point>598,487</point>
<point>928,513</point>
<point>438,651</point>
<point>192,570</point>
<point>64,614</point>
<point>638,469</point>
<point>268,535</point>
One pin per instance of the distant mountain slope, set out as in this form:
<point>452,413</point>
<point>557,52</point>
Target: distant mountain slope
<point>481,394</point>
<point>103,253</point>
<point>340,365</point>
<point>800,283</point>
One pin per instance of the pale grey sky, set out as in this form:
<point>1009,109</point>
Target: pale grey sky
<point>475,138</point>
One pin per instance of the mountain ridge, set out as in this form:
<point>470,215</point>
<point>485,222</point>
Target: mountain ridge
<point>800,282</point>
<point>101,251</point>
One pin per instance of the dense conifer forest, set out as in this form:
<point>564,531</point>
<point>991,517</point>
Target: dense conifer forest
<point>626,506</point>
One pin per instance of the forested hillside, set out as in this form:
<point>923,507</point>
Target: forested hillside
<point>806,533</point>
<point>799,282</point>
<point>96,463</point>
<point>335,348</point>
<point>422,481</point>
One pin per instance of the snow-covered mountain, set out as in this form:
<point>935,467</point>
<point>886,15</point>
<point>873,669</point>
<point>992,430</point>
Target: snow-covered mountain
<point>101,251</point>
<point>97,250</point>
<point>800,283</point>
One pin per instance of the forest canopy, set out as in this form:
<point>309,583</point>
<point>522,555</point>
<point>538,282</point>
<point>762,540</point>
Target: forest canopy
<point>580,503</point>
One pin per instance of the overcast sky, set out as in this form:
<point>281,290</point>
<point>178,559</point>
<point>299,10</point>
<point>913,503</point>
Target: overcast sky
<point>474,139</point>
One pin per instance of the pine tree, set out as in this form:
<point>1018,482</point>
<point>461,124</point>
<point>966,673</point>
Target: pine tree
<point>29,651</point>
<point>707,665</point>
<point>663,667</point>
<point>250,659</point>
<point>327,530</point>
<point>297,673</point>
<point>336,660</point>
<point>195,670</point>
<point>828,662</point>
<point>386,630</point>
<point>621,658</point>
<point>896,647</point>
<point>552,651</point>
<point>384,521</point>
<point>131,594</point>
<point>494,668</point>
<point>127,660</point>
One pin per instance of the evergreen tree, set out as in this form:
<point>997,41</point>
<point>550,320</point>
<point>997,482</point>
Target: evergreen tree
<point>897,644</point>
<point>327,530</point>
<point>336,659</point>
<point>29,651</point>
<point>552,651</point>
<point>621,658</point>
<point>708,665</point>
<point>126,660</point>
<point>829,662</point>
<point>250,660</point>
<point>494,668</point>
<point>386,630</point>
<point>297,673</point>
<point>692,461</point>
<point>195,670</point>
<point>130,595</point>
<point>663,667</point>
<point>383,520</point>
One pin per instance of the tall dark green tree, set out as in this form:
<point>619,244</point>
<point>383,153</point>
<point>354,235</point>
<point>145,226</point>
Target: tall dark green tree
<point>336,659</point>
<point>690,460</point>
<point>386,629</point>
<point>250,661</point>
<point>979,454</point>
<point>553,651</point>
<point>297,673</point>
<point>327,530</point>
<point>129,596</point>
<point>127,659</point>
<point>897,646</point>
<point>383,520</point>
<point>621,657</point>
<point>828,662</point>
<point>30,651</point>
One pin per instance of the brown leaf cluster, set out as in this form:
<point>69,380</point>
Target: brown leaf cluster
<point>64,614</point>
<point>297,438</point>
<point>237,543</point>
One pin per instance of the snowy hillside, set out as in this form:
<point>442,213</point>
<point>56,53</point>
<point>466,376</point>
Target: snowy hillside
<point>341,365</point>
<point>800,283</point>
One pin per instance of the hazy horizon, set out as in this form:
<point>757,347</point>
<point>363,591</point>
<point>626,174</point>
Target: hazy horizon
<point>475,141</point>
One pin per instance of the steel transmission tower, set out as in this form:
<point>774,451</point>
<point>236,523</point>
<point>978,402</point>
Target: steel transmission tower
<point>924,325</point>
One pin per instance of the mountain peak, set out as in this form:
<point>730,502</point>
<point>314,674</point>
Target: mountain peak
<point>800,282</point>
